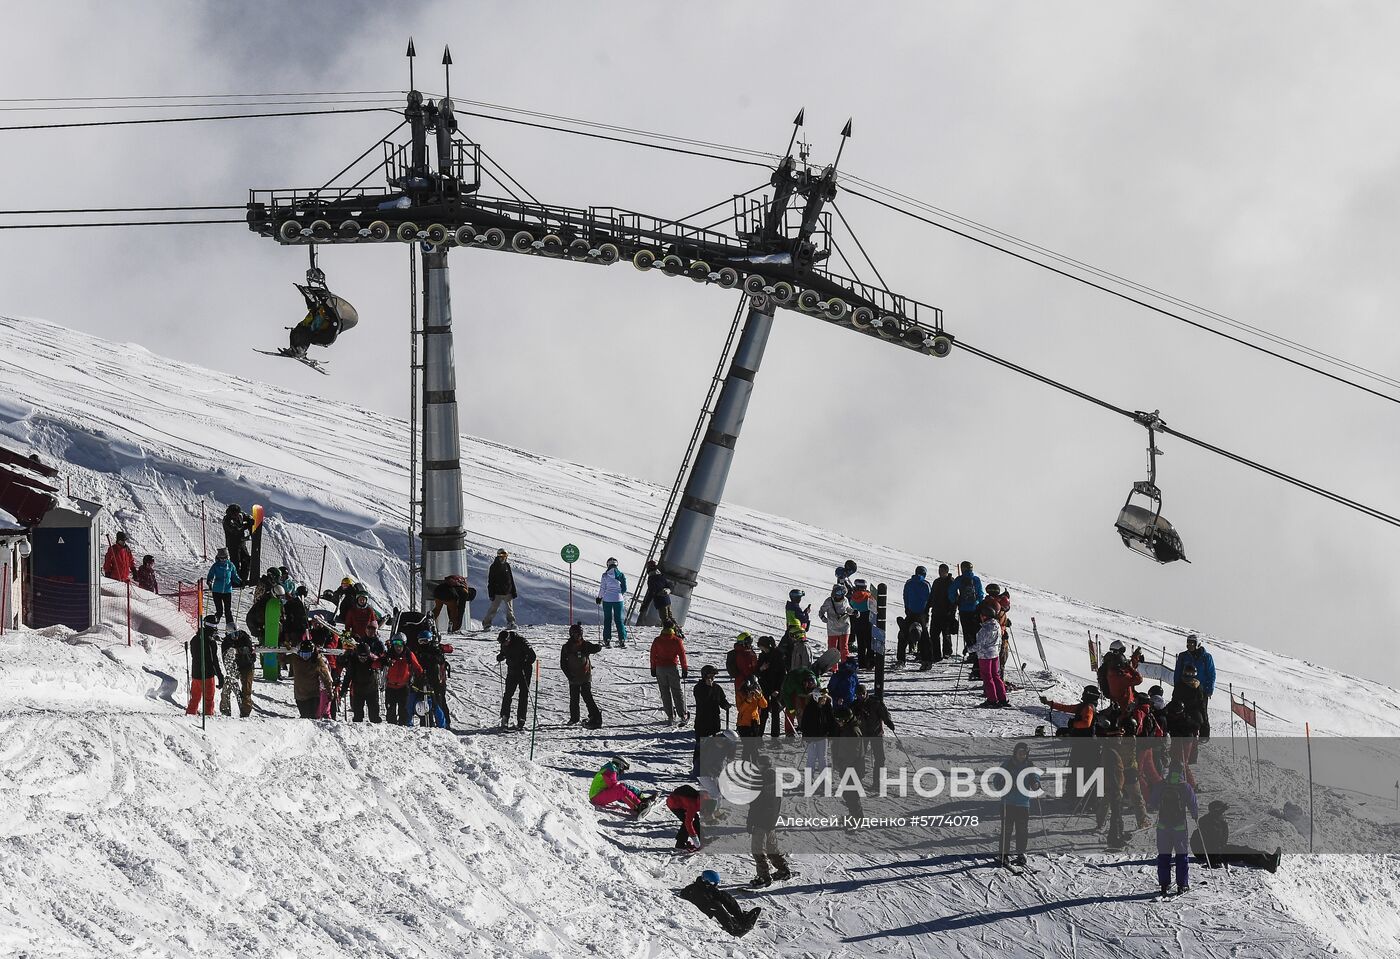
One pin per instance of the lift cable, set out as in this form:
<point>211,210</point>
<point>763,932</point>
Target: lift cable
<point>1124,296</point>
<point>125,209</point>
<point>226,116</point>
<point>202,96</point>
<point>197,105</point>
<point>1195,441</point>
<point>1125,281</point>
<point>77,226</point>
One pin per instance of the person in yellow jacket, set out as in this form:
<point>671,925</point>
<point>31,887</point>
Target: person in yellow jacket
<point>751,703</point>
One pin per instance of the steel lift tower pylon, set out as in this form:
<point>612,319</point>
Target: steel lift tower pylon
<point>775,252</point>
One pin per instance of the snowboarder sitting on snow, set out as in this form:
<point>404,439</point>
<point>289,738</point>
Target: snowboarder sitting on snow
<point>518,657</point>
<point>361,677</point>
<point>608,788</point>
<point>454,595</point>
<point>119,564</point>
<point>1212,836</point>
<point>706,895</point>
<point>310,677</point>
<point>686,802</point>
<point>1174,799</point>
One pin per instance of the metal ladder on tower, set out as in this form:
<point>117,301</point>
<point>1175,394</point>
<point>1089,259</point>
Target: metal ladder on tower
<point>706,409</point>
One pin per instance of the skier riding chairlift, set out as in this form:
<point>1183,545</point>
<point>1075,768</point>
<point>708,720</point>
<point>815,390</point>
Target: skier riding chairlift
<point>1143,528</point>
<point>327,315</point>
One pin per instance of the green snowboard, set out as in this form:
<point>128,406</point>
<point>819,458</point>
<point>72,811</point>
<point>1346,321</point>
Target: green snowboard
<point>272,624</point>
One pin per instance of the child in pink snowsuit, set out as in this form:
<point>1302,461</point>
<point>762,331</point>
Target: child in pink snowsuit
<point>607,788</point>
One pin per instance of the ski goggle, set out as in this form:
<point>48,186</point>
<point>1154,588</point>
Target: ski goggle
<point>305,653</point>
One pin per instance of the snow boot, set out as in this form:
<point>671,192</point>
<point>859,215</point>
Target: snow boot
<point>987,704</point>
<point>1019,860</point>
<point>1275,859</point>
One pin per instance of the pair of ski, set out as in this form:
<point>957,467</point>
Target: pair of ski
<point>318,365</point>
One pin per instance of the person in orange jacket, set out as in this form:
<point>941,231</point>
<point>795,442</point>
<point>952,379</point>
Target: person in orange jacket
<point>751,703</point>
<point>119,563</point>
<point>669,667</point>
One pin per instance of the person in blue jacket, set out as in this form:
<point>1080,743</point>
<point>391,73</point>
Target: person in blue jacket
<point>223,580</point>
<point>842,687</point>
<point>1024,781</point>
<point>966,591</point>
<point>914,631</point>
<point>1195,655</point>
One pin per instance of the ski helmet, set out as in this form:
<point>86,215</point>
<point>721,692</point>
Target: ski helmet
<point>612,562</point>
<point>710,877</point>
<point>839,592</point>
<point>993,590</point>
<point>347,581</point>
<point>1154,691</point>
<point>1021,748</point>
<point>621,764</point>
<point>1117,646</point>
<point>575,631</point>
<point>744,639</point>
<point>920,570</point>
<point>859,583</point>
<point>795,595</point>
<point>708,670</point>
<point>1193,640</point>
<point>751,684</point>
<point>278,591</point>
<point>766,642</point>
<point>842,714</point>
<point>1091,694</point>
<point>397,641</point>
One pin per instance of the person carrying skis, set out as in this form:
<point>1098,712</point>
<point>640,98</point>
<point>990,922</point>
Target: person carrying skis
<point>206,672</point>
<point>874,719</point>
<point>402,667</point>
<point>454,595</point>
<point>751,703</point>
<point>238,528</point>
<point>575,661</point>
<point>966,593</point>
<point>518,657</point>
<point>772,669</point>
<point>686,802</point>
<point>343,598</point>
<point>1174,799</point>
<point>943,617</point>
<point>432,685</point>
<point>1196,655</point>
<point>310,677</point>
<point>500,587</point>
<point>842,685</point>
<point>669,666</point>
<point>863,609</point>
<point>361,677</point>
<point>709,700</point>
<point>1211,843</point>
<point>988,651</point>
<point>706,895</point>
<point>762,826</point>
<point>118,563</point>
<point>741,661</point>
<point>239,661</point>
<point>913,634</point>
<point>836,613</point>
<point>796,614</point>
<point>608,788</point>
<point>1023,781</point>
<point>223,579</point>
<point>611,588</point>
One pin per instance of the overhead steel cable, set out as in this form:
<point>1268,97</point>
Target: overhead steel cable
<point>203,96</point>
<point>76,226</point>
<point>196,105</point>
<point>1335,497</point>
<point>226,116</point>
<point>123,209</point>
<point>1124,296</point>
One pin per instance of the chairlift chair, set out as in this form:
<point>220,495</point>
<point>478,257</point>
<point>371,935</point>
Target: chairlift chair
<point>1141,525</point>
<point>327,315</point>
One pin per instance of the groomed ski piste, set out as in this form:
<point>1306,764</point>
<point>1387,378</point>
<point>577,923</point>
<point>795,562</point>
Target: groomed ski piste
<point>128,830</point>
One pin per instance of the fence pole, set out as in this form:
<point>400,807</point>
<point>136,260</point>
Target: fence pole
<point>5,600</point>
<point>1258,760</point>
<point>128,612</point>
<point>1307,731</point>
<point>1232,721</point>
<point>536,724</point>
<point>203,532</point>
<point>321,580</point>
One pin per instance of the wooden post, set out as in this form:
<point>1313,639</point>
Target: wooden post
<point>1232,721</point>
<point>128,612</point>
<point>4,598</point>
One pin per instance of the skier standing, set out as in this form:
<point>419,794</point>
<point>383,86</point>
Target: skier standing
<point>658,594</point>
<point>1016,804</point>
<point>669,666</point>
<point>742,661</point>
<point>914,635</point>
<point>796,614</point>
<point>751,703</point>
<point>816,725</point>
<point>1196,655</point>
<point>577,665</point>
<point>402,667</point>
<point>943,617</point>
<point>310,677</point>
<point>848,753</point>
<point>433,683</point>
<point>223,580</point>
<point>709,700</point>
<point>966,593</point>
<point>518,657</point>
<point>772,669</point>
<point>874,718</point>
<point>343,598</point>
<point>762,826</point>
<point>205,669</point>
<point>863,611</point>
<point>836,613</point>
<point>988,650</point>
<point>145,575</point>
<point>500,587</point>
<point>239,661</point>
<point>361,677</point>
<point>842,685</point>
<point>362,620</point>
<point>611,588</point>
<point>1174,799</point>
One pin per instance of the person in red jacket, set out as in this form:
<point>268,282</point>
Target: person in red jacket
<point>669,667</point>
<point>361,619</point>
<point>686,802</point>
<point>742,661</point>
<point>119,564</point>
<point>1123,677</point>
<point>403,666</point>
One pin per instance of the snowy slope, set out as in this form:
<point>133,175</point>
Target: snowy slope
<point>127,831</point>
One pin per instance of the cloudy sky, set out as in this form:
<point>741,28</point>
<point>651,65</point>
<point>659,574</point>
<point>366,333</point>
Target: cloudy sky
<point>1239,156</point>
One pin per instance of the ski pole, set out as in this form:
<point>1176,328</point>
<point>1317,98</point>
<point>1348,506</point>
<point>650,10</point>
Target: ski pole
<point>536,724</point>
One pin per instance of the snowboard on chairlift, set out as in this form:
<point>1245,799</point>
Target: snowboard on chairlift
<point>317,365</point>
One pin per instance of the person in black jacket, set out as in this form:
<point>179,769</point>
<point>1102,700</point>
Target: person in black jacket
<point>657,595</point>
<point>361,676</point>
<point>709,700</point>
<point>873,717</point>
<point>848,753</point>
<point>706,895</point>
<point>237,529</point>
<point>1211,843</point>
<point>772,670</point>
<point>518,657</point>
<point>205,667</point>
<point>578,669</point>
<point>816,725</point>
<point>500,586</point>
<point>294,618</point>
<point>762,825</point>
<point>943,618</point>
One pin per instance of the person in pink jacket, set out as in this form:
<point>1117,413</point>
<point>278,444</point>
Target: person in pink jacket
<point>608,788</point>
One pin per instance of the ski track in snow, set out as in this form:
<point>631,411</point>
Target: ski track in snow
<point>126,831</point>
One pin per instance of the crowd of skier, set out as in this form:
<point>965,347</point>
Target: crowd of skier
<point>332,650</point>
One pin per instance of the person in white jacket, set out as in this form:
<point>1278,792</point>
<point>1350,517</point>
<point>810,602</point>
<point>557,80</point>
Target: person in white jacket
<point>611,588</point>
<point>836,613</point>
<point>988,649</point>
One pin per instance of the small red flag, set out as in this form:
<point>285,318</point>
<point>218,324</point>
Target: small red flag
<point>1244,712</point>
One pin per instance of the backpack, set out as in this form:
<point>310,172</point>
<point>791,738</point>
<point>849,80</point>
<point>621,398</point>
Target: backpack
<point>731,663</point>
<point>967,594</point>
<point>1173,805</point>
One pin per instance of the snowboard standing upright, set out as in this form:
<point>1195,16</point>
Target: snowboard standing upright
<point>272,630</point>
<point>881,605</point>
